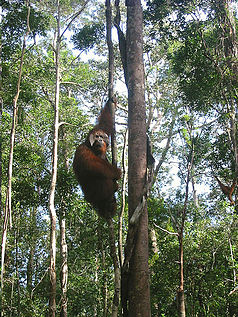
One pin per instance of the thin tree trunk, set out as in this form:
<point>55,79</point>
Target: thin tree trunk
<point>7,211</point>
<point>138,275</point>
<point>181,300</point>
<point>64,263</point>
<point>228,26</point>
<point>1,132</point>
<point>110,48</point>
<point>117,272</point>
<point>103,269</point>
<point>165,150</point>
<point>155,250</point>
<point>113,248</point>
<point>154,241</point>
<point>180,293</point>
<point>12,294</point>
<point>123,199</point>
<point>17,266</point>
<point>52,211</point>
<point>230,55</point>
<point>30,263</point>
<point>232,261</point>
<point>195,196</point>
<point>30,268</point>
<point>63,243</point>
<point>104,287</point>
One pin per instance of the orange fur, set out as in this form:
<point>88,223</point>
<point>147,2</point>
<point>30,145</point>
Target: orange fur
<point>105,122</point>
<point>227,190</point>
<point>96,176</point>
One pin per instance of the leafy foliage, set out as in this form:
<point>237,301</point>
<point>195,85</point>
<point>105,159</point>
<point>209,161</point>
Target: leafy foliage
<point>88,36</point>
<point>189,95</point>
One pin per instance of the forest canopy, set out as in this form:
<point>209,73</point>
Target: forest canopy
<point>53,83</point>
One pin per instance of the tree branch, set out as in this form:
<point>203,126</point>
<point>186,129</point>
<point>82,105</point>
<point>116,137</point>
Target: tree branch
<point>169,232</point>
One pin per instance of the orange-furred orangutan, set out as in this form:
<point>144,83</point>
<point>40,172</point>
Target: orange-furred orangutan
<point>227,190</point>
<point>96,176</point>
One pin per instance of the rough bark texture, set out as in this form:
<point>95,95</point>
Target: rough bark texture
<point>138,283</point>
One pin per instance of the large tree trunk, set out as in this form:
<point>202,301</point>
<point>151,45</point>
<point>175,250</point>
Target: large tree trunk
<point>138,283</point>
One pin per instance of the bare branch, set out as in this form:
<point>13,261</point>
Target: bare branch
<point>73,18</point>
<point>169,232</point>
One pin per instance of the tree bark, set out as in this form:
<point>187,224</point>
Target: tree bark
<point>30,263</point>
<point>103,269</point>
<point>232,260</point>
<point>229,53</point>
<point>181,300</point>
<point>180,292</point>
<point>117,275</point>
<point>52,211</point>
<point>64,263</point>
<point>153,239</point>
<point>230,48</point>
<point>7,211</point>
<point>138,275</point>
<point>1,132</point>
<point>123,200</point>
<point>63,243</point>
<point>113,248</point>
<point>111,77</point>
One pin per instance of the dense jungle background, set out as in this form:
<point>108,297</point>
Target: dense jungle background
<point>191,91</point>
